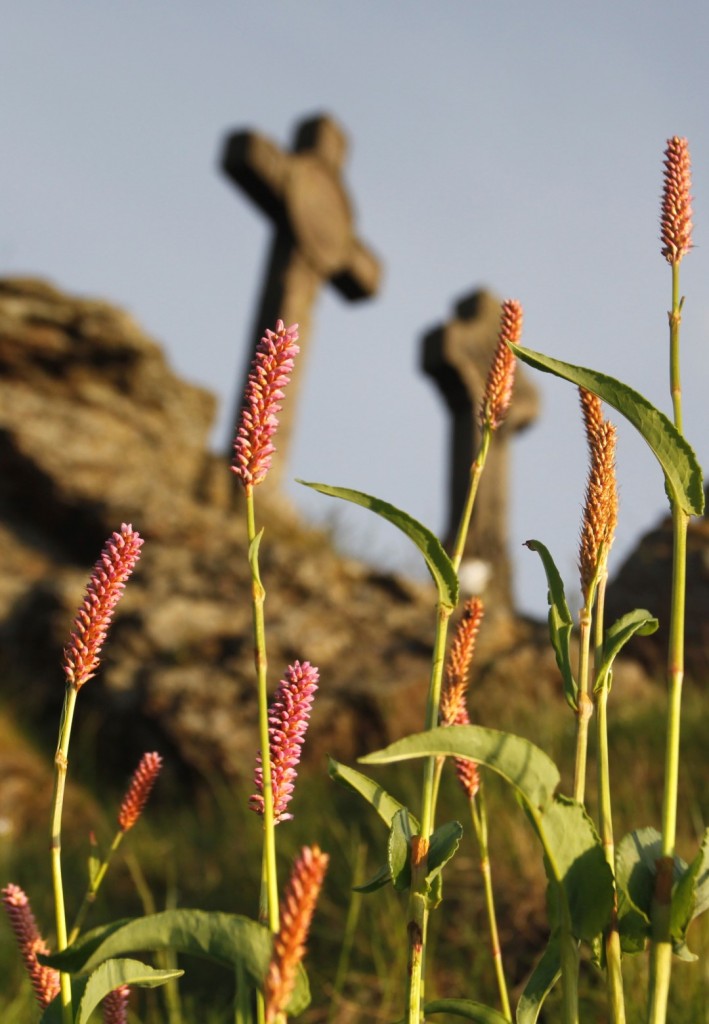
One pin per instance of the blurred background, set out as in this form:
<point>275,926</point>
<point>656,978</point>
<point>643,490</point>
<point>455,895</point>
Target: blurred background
<point>513,145</point>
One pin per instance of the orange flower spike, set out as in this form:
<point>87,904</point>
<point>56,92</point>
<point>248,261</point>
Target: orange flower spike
<point>460,658</point>
<point>676,219</point>
<point>139,790</point>
<point>600,515</point>
<point>297,911</point>
<point>500,380</point>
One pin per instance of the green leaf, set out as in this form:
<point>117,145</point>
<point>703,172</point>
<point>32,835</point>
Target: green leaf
<point>575,861</point>
<point>541,981</point>
<point>227,939</point>
<point>75,956</point>
<point>560,622</point>
<point>702,886</point>
<point>385,805</point>
<point>679,464</point>
<point>114,973</point>
<point>444,843</point>
<point>437,561</point>
<point>639,622</point>
<point>525,766</point>
<point>399,851</point>
<point>253,557</point>
<point>572,847</point>
<point>466,1008</point>
<point>377,881</point>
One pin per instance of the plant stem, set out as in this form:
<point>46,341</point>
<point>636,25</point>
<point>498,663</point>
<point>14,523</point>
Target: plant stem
<point>478,814</point>
<point>475,473</point>
<point>611,938</point>
<point>569,955</point>
<point>661,948</point>
<point>585,704</point>
<point>61,765</point>
<point>268,909</point>
<point>93,888</point>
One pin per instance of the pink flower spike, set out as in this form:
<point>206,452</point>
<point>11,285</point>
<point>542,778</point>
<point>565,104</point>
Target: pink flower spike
<point>270,373</point>
<point>115,1006</point>
<point>139,790</point>
<point>288,718</point>
<point>104,590</point>
<point>45,980</point>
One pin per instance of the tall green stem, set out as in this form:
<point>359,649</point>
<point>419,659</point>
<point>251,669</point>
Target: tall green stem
<point>268,910</point>
<point>478,814</point>
<point>611,938</point>
<point>661,948</point>
<point>585,704</point>
<point>61,765</point>
<point>93,888</point>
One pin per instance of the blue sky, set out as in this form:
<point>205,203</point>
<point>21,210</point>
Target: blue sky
<point>512,144</point>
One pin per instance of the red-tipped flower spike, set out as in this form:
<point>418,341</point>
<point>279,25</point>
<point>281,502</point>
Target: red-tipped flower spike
<point>460,657</point>
<point>270,372</point>
<point>676,220</point>
<point>288,718</point>
<point>453,710</point>
<point>115,1006</point>
<point>104,590</point>
<point>296,914</point>
<point>45,980</point>
<point>500,380</point>
<point>139,790</point>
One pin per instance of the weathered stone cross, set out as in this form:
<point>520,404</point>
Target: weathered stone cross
<point>314,243</point>
<point>458,355</point>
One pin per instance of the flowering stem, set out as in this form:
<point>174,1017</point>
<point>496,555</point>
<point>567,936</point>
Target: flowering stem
<point>585,704</point>
<point>661,948</point>
<point>93,888</point>
<point>478,813</point>
<point>614,975</point>
<point>475,473</point>
<point>61,764</point>
<point>268,909</point>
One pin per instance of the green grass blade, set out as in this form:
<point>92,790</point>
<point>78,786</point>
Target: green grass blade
<point>672,451</point>
<point>437,561</point>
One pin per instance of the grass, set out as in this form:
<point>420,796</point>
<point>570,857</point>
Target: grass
<point>201,848</point>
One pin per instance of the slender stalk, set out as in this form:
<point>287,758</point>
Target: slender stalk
<point>61,764</point>
<point>569,954</point>
<point>614,975</point>
<point>585,704</point>
<point>661,947</point>
<point>478,813</point>
<point>93,888</point>
<point>476,471</point>
<point>268,909</point>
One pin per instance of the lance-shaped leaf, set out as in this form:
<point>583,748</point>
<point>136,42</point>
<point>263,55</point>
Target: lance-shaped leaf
<point>88,992</point>
<point>228,939</point>
<point>636,623</point>
<point>399,851</point>
<point>560,622</point>
<point>573,852</point>
<point>468,1009</point>
<point>523,764</point>
<point>437,561</point>
<point>676,457</point>
<point>383,803</point>
<point>540,983</point>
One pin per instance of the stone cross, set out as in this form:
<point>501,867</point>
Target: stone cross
<point>314,243</point>
<point>458,355</point>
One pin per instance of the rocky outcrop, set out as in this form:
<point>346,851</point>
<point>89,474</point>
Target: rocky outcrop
<point>95,430</point>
